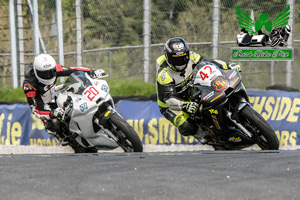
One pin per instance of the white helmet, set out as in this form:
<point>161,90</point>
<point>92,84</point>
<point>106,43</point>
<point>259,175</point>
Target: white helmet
<point>44,67</point>
<point>288,28</point>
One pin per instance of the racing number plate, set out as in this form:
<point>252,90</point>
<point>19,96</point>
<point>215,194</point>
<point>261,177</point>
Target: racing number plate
<point>91,93</point>
<point>220,84</point>
<point>206,74</point>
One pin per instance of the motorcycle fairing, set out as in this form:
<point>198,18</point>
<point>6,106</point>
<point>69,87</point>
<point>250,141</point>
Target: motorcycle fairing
<point>220,84</point>
<point>234,136</point>
<point>216,117</point>
<point>206,74</point>
<point>223,128</point>
<point>220,87</point>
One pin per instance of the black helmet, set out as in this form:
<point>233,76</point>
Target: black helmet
<point>177,53</point>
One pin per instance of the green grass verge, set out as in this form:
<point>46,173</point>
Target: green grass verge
<point>117,88</point>
<point>12,95</point>
<point>130,88</point>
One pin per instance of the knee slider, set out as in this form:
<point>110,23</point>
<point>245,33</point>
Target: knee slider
<point>187,128</point>
<point>185,124</point>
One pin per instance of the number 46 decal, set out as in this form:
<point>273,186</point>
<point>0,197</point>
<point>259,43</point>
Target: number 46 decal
<point>91,93</point>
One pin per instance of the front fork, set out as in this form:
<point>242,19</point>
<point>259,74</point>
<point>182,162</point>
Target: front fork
<point>233,116</point>
<point>105,112</point>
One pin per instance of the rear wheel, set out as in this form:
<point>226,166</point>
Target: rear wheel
<point>263,134</point>
<point>128,138</point>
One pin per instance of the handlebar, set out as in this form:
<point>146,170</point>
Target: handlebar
<point>102,76</point>
<point>68,105</point>
<point>196,95</point>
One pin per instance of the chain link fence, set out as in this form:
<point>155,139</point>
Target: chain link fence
<point>112,32</point>
<point>5,71</point>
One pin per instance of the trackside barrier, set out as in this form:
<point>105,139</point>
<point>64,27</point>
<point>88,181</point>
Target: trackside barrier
<point>281,109</point>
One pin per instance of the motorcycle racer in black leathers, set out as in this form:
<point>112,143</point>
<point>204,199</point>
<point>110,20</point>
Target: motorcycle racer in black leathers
<point>175,69</point>
<point>279,36</point>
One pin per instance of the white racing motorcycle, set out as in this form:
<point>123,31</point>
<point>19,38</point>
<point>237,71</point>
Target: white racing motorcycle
<point>90,122</point>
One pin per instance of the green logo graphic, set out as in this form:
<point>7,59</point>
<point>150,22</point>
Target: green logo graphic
<point>252,27</point>
<point>278,34</point>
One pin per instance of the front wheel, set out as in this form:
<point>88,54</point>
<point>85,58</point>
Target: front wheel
<point>128,139</point>
<point>274,41</point>
<point>263,133</point>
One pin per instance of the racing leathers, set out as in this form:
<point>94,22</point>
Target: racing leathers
<point>40,96</point>
<point>172,93</point>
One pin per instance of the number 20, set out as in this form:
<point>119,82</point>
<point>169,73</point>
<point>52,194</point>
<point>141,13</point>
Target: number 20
<point>91,93</point>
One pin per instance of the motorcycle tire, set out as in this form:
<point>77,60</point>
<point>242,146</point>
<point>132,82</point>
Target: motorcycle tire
<point>264,42</point>
<point>127,133</point>
<point>80,149</point>
<point>266,137</point>
<point>275,41</point>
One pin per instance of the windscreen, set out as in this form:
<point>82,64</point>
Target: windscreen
<point>77,82</point>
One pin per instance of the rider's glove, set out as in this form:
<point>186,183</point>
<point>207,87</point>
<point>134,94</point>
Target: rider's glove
<point>190,107</point>
<point>98,73</point>
<point>234,66</point>
<point>58,112</point>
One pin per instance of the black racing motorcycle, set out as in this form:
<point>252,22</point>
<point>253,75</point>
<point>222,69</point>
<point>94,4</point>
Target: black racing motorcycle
<point>225,112</point>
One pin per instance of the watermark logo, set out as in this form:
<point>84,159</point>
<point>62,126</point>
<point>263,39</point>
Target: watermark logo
<point>262,54</point>
<point>262,33</point>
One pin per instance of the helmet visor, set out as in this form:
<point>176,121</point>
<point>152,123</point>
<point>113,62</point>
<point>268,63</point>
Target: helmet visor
<point>49,74</point>
<point>178,60</point>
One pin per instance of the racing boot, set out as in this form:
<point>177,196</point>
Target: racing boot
<point>202,136</point>
<point>52,125</point>
<point>53,128</point>
<point>62,141</point>
<point>50,128</point>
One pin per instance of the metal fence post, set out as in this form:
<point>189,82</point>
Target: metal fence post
<point>290,43</point>
<point>79,33</point>
<point>109,65</point>
<point>147,38</point>
<point>13,43</point>
<point>215,29</point>
<point>60,43</point>
<point>38,40</point>
<point>272,73</point>
<point>36,28</point>
<point>20,42</point>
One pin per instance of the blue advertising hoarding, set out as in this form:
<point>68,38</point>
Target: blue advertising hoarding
<point>281,109</point>
<point>19,127</point>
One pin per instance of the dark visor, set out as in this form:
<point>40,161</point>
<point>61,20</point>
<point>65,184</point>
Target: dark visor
<point>178,60</point>
<point>46,74</point>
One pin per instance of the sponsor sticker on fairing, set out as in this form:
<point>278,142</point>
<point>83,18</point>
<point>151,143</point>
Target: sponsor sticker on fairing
<point>83,107</point>
<point>209,95</point>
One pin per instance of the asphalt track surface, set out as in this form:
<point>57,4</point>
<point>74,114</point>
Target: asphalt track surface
<point>201,174</point>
